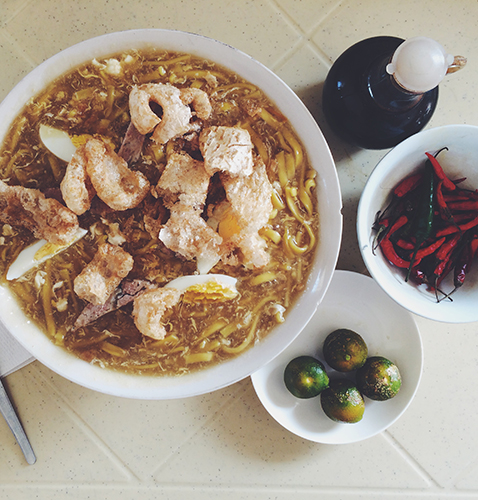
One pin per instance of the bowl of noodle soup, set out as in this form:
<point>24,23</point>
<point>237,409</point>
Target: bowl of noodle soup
<point>302,245</point>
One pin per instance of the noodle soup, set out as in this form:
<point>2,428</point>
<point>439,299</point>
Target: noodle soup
<point>207,324</point>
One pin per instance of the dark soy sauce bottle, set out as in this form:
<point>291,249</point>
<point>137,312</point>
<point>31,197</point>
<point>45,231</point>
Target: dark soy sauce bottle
<point>384,89</point>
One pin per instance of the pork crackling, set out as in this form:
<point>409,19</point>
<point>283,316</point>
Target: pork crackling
<point>100,278</point>
<point>45,217</point>
<point>97,169</point>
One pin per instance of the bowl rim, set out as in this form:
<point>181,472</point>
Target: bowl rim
<point>396,288</point>
<point>330,228</point>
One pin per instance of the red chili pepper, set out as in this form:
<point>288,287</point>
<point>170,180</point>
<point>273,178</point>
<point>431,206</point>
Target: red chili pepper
<point>447,247</point>
<point>418,276</point>
<point>443,256</point>
<point>462,265</point>
<point>458,228</point>
<point>464,262</point>
<point>439,218</point>
<point>442,204</point>
<point>474,245</point>
<point>400,222</point>
<point>430,249</point>
<point>454,196</point>
<point>406,245</point>
<point>391,255</point>
<point>460,195</point>
<point>448,266</point>
<point>464,205</point>
<point>387,246</point>
<point>462,217</point>
<point>447,183</point>
<point>408,184</point>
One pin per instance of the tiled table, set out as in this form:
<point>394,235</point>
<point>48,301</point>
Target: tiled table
<point>225,445</point>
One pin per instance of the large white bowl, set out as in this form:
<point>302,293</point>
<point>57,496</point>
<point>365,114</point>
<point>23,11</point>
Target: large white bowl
<point>460,161</point>
<point>329,205</point>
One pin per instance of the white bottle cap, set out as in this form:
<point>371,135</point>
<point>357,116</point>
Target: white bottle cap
<point>419,64</point>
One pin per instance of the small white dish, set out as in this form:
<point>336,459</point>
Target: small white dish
<point>355,302</point>
<point>403,160</point>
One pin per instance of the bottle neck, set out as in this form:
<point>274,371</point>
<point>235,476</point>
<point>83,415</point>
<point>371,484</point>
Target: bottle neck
<point>386,92</point>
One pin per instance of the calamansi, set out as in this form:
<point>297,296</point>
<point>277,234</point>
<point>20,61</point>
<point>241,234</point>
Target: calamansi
<point>379,378</point>
<point>342,402</point>
<point>342,399</point>
<point>345,350</point>
<point>305,377</point>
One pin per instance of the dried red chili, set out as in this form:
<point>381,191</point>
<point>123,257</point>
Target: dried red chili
<point>447,183</point>
<point>463,205</point>
<point>458,228</point>
<point>427,224</point>
<point>407,185</point>
<point>391,255</point>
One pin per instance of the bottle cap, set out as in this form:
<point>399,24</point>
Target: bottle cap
<point>419,64</point>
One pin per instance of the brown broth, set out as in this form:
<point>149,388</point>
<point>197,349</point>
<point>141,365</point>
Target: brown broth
<point>89,100</point>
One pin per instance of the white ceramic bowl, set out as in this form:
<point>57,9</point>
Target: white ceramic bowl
<point>329,205</point>
<point>460,161</point>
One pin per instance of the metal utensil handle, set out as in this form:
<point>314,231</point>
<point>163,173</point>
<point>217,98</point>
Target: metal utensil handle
<point>8,412</point>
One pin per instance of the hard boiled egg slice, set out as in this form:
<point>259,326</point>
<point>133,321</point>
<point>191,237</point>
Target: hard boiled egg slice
<point>205,287</point>
<point>37,253</point>
<point>57,142</point>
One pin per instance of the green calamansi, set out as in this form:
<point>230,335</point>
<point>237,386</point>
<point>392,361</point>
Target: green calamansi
<point>379,378</point>
<point>345,350</point>
<point>342,399</point>
<point>305,377</point>
<point>342,402</point>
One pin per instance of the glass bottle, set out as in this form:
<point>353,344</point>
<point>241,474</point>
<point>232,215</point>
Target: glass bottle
<point>384,89</point>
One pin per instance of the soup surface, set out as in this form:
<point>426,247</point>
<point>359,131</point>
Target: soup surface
<point>263,228</point>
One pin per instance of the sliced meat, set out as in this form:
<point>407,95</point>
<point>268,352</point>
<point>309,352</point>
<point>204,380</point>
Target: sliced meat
<point>126,292</point>
<point>132,145</point>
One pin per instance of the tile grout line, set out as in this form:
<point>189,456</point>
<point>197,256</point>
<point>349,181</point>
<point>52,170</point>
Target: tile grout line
<point>464,472</point>
<point>290,490</point>
<point>410,459</point>
<point>110,453</point>
<point>15,13</point>
<point>296,46</point>
<point>320,53</point>
<point>10,39</point>
<point>96,439</point>
<point>305,37</point>
<point>228,402</point>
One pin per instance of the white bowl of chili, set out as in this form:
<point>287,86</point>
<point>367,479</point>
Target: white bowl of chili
<point>328,236</point>
<point>436,205</point>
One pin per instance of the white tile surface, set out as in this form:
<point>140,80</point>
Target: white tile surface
<point>225,445</point>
